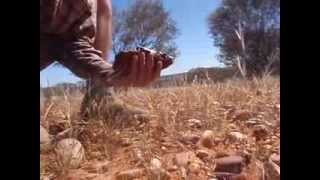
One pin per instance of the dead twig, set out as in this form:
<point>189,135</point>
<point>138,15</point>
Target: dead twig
<point>47,111</point>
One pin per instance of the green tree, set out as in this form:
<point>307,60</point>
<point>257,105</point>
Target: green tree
<point>247,32</point>
<point>144,23</point>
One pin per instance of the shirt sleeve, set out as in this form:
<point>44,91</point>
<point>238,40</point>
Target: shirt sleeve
<point>85,61</point>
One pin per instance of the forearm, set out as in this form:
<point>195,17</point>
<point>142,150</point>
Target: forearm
<point>103,39</point>
<point>85,61</point>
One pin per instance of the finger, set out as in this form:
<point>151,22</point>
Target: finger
<point>133,75</point>
<point>157,72</point>
<point>142,69</point>
<point>149,66</point>
<point>149,69</point>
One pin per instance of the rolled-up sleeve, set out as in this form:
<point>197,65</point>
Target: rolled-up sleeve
<point>71,28</point>
<point>84,60</point>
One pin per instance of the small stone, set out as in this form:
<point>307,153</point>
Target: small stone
<point>230,176</point>
<point>241,176</point>
<point>207,139</point>
<point>274,138</point>
<point>218,140</point>
<point>95,154</point>
<point>157,172</point>
<point>267,141</point>
<point>141,126</point>
<point>155,163</point>
<point>165,175</point>
<point>236,137</point>
<point>242,115</point>
<point>272,170</point>
<point>97,167</point>
<point>260,116</point>
<point>56,128</point>
<point>221,154</point>
<point>173,168</point>
<point>70,153</point>
<point>194,167</point>
<point>102,177</point>
<point>202,154</point>
<point>247,156</point>
<point>130,174</point>
<point>275,158</point>
<point>230,164</point>
<point>260,132</point>
<point>252,122</point>
<point>213,178</point>
<point>45,178</point>
<point>78,174</point>
<point>125,142</point>
<point>268,146</point>
<point>184,158</point>
<point>258,93</point>
<point>190,138</point>
<point>183,173</point>
<point>269,123</point>
<point>232,127</point>
<point>45,140</point>
<point>194,123</point>
<point>139,156</point>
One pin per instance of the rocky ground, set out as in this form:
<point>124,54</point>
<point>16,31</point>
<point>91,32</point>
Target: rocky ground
<point>229,130</point>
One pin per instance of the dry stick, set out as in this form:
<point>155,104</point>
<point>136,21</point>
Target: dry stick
<point>63,134</point>
<point>261,167</point>
<point>68,114</point>
<point>47,111</point>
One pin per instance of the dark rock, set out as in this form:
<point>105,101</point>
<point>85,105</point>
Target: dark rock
<point>130,174</point>
<point>230,176</point>
<point>231,164</point>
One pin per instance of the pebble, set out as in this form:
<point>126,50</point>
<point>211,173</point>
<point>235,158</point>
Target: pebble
<point>236,137</point>
<point>272,170</point>
<point>184,158</point>
<point>207,139</point>
<point>130,174</point>
<point>230,164</point>
<point>202,154</point>
<point>70,153</point>
<point>194,123</point>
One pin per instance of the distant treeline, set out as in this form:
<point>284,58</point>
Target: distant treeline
<point>197,75</point>
<point>62,88</point>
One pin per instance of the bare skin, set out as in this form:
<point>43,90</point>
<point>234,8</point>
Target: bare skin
<point>144,70</point>
<point>104,27</point>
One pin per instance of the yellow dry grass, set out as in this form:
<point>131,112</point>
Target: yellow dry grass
<point>221,107</point>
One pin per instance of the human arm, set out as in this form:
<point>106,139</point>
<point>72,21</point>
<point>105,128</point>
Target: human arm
<point>103,39</point>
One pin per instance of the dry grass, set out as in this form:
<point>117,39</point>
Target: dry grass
<point>218,106</point>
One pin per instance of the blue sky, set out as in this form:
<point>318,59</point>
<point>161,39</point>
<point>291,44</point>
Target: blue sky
<point>194,43</point>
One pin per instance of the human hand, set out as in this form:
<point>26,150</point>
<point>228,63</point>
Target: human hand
<point>140,70</point>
